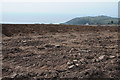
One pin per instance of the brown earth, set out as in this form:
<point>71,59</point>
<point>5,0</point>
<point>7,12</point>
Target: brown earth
<point>32,52</point>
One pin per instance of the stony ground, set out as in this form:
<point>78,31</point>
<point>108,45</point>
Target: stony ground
<point>65,52</point>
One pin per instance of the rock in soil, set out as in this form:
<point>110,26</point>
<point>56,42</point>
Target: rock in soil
<point>59,51</point>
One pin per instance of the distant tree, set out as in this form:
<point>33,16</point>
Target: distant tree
<point>119,22</point>
<point>111,22</point>
<point>42,23</point>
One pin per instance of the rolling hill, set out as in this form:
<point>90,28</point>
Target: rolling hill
<point>97,20</point>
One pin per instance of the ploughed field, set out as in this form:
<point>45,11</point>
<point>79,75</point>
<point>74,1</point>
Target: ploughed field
<point>35,51</point>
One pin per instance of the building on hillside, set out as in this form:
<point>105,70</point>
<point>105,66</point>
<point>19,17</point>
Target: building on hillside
<point>87,24</point>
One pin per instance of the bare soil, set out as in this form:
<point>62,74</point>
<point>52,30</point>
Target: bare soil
<point>32,52</point>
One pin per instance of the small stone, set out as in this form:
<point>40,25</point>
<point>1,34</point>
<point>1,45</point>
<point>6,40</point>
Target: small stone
<point>93,60</point>
<point>69,63</point>
<point>23,41</point>
<point>77,65</point>
<point>70,67</point>
<point>97,60</point>
<point>102,57</point>
<point>79,54</point>
<point>75,60</point>
<point>111,57</point>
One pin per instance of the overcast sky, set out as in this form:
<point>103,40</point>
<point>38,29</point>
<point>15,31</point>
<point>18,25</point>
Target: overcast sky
<point>54,12</point>
<point>59,0</point>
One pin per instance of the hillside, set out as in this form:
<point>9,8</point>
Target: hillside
<point>102,20</point>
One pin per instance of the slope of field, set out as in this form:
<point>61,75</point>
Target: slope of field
<point>32,51</point>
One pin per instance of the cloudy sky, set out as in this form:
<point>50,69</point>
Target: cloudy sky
<point>34,11</point>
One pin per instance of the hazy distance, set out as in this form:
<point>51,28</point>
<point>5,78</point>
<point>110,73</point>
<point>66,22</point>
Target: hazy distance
<point>54,12</point>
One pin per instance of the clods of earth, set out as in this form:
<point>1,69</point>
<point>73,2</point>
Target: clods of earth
<point>32,52</point>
